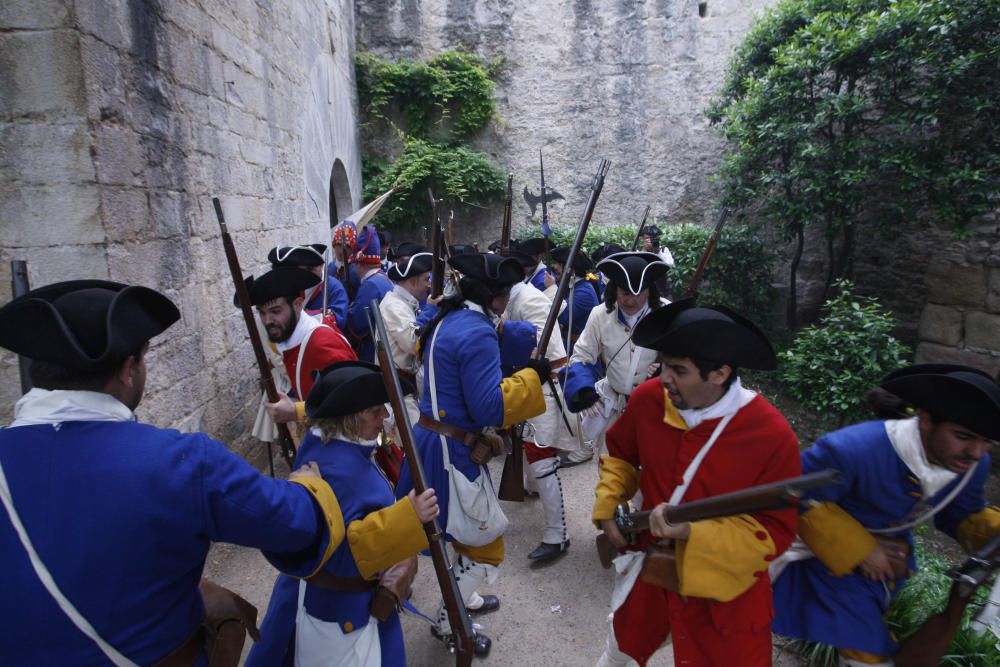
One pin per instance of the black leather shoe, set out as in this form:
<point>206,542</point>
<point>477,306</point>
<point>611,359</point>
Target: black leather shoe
<point>490,603</point>
<point>546,552</point>
<point>481,644</point>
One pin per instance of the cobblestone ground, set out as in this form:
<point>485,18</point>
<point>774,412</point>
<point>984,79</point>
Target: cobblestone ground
<point>553,616</point>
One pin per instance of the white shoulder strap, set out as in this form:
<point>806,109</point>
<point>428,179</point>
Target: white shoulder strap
<point>298,363</point>
<point>43,574</point>
<point>692,468</point>
<point>433,388</point>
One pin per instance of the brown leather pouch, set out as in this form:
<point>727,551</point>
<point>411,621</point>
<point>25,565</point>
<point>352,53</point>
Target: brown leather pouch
<point>485,446</point>
<point>394,586</point>
<point>660,567</point>
<point>228,619</point>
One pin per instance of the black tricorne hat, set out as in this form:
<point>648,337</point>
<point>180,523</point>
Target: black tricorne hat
<point>709,333</point>
<point>416,264</point>
<point>605,250</point>
<point>462,249</point>
<point>283,282</point>
<point>951,392</point>
<point>633,271</point>
<point>297,255</point>
<point>345,388</point>
<point>494,271</point>
<point>495,246</point>
<point>581,263</point>
<point>524,259</point>
<point>534,246</point>
<point>653,231</point>
<point>86,325</point>
<point>404,249</point>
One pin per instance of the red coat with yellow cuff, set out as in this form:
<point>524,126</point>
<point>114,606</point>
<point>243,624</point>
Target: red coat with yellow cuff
<point>722,567</point>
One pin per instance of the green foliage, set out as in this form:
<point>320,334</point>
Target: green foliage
<point>830,366</point>
<point>843,110</point>
<point>925,594</point>
<point>456,173</point>
<point>738,273</point>
<point>444,101</point>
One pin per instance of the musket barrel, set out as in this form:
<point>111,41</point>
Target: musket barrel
<point>19,287</point>
<point>550,322</point>
<point>642,226</point>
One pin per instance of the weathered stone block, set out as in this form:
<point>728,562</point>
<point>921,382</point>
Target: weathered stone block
<point>956,284</point>
<point>40,73</point>
<point>120,154</point>
<point>41,216</point>
<point>993,291</point>
<point>41,153</point>
<point>34,14</point>
<point>934,353</point>
<point>982,330</point>
<point>940,324</point>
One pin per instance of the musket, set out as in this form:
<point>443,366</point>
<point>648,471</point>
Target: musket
<point>458,617</point>
<point>692,288</point>
<point>346,279</point>
<point>19,287</point>
<point>437,252</point>
<point>326,292</point>
<point>505,228</point>
<point>926,646</point>
<point>642,226</point>
<point>763,498</point>
<point>511,483</point>
<point>546,230</point>
<point>263,363</point>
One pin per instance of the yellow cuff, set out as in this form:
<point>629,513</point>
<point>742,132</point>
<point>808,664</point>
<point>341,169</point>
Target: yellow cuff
<point>386,537</point>
<point>619,480</point>
<point>488,554</point>
<point>328,504</point>
<point>723,558</point>
<point>837,539</point>
<point>522,397</point>
<point>976,530</point>
<point>671,417</point>
<point>300,410</point>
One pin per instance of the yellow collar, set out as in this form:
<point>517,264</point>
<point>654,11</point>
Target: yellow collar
<point>671,416</point>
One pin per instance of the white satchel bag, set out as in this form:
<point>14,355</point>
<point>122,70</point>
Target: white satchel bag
<point>474,514</point>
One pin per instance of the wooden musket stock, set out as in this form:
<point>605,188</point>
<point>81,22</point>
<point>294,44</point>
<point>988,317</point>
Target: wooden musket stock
<point>263,363</point>
<point>692,288</point>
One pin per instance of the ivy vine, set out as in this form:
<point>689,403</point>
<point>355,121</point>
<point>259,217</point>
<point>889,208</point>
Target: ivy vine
<point>441,102</point>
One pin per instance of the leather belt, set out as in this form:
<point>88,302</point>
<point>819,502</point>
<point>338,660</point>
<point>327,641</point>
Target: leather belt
<point>558,363</point>
<point>332,582</point>
<point>447,430</point>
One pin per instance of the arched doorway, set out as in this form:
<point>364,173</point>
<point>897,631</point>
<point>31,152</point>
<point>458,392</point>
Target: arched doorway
<point>340,193</point>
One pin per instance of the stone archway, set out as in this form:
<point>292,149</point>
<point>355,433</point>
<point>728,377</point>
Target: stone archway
<point>341,203</point>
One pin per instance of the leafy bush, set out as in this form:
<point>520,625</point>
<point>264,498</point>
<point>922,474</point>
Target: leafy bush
<point>444,101</point>
<point>831,365</point>
<point>738,273</point>
<point>457,173</point>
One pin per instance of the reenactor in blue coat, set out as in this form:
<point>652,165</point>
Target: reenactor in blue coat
<point>855,551</point>
<point>464,393</point>
<point>107,521</point>
<point>582,297</point>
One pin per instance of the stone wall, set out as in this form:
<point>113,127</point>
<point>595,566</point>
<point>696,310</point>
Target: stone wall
<point>118,123</point>
<point>582,80</point>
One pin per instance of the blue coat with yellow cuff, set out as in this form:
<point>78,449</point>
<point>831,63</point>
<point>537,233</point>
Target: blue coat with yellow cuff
<point>584,299</point>
<point>123,515</point>
<point>823,599</point>
<point>380,533</point>
<point>472,394</point>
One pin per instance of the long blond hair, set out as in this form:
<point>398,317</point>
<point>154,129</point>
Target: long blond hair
<point>346,427</point>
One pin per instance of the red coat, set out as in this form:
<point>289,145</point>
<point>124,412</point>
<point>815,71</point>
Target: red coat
<point>725,557</point>
<point>325,346</point>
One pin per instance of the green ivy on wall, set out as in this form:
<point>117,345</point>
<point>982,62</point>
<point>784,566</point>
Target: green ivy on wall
<point>441,103</point>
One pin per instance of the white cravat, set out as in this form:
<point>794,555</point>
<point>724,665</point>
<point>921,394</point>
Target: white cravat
<point>904,434</point>
<point>43,406</point>
<point>734,399</point>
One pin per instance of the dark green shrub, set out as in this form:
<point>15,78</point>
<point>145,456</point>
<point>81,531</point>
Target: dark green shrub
<point>830,365</point>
